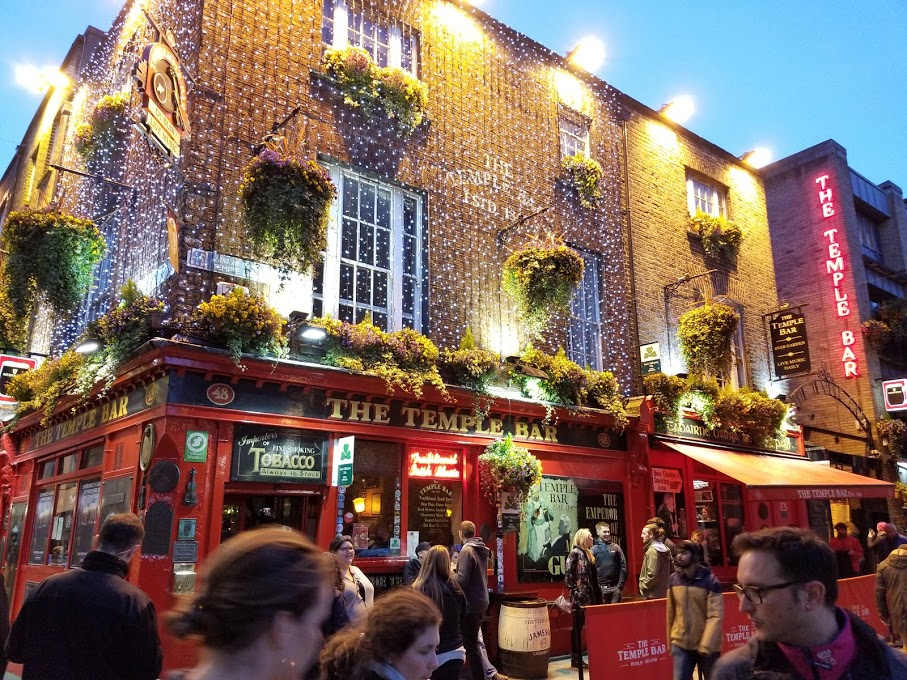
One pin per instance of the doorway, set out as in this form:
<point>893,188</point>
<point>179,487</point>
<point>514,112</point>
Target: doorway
<point>248,511</point>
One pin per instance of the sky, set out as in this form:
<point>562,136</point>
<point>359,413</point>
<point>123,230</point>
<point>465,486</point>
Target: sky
<point>783,74</point>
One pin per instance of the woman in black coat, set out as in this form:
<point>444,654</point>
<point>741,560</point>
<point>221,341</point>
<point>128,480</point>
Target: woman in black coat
<point>435,582</point>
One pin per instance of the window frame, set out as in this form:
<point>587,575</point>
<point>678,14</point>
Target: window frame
<point>697,186</point>
<point>571,142</point>
<point>342,20</point>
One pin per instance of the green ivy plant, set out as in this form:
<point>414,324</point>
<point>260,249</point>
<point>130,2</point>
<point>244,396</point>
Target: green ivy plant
<point>472,368</point>
<point>371,88</point>
<point>504,466</point>
<point>106,126</point>
<point>666,391</point>
<point>893,435</point>
<point>720,237</point>
<point>541,280</point>
<point>705,334</point>
<point>751,413</point>
<point>586,176</point>
<point>13,328</point>
<point>50,257</point>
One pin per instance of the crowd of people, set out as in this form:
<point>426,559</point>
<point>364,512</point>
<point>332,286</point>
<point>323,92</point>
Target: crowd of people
<point>272,606</point>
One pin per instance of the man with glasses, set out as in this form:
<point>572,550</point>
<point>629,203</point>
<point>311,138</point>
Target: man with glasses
<point>788,587</point>
<point>610,564</point>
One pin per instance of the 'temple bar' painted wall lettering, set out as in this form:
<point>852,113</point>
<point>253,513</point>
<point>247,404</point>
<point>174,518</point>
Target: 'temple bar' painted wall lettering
<point>834,266</point>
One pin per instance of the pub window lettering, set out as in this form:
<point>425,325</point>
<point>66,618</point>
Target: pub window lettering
<point>347,22</point>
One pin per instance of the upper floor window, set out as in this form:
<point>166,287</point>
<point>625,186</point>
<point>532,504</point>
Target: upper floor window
<point>584,338</point>
<point>869,236</point>
<point>574,133</point>
<point>348,22</point>
<point>705,196</point>
<point>375,263</point>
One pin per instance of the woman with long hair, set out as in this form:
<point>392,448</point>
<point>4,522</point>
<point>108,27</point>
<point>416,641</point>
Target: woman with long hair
<point>358,591</point>
<point>435,582</point>
<point>581,578</point>
<point>396,642</point>
<point>265,594</point>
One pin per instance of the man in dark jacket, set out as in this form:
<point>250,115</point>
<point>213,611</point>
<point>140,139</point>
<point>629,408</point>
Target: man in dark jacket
<point>611,564</point>
<point>89,622</point>
<point>411,569</point>
<point>891,591</point>
<point>472,575</point>
<point>788,588</point>
<point>883,542</point>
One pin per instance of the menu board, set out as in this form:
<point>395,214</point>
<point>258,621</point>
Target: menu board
<point>430,511</point>
<point>40,532</point>
<point>87,519</point>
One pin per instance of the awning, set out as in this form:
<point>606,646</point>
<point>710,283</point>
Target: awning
<point>773,478</point>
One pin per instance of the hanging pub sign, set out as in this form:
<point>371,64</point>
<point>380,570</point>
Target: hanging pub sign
<point>790,348</point>
<point>165,122</point>
<point>895,392</point>
<point>275,454</point>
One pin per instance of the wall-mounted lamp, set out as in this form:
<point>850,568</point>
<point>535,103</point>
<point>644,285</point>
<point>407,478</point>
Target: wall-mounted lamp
<point>781,397</point>
<point>679,109</point>
<point>757,158</point>
<point>88,345</point>
<point>359,504</point>
<point>589,54</point>
<point>525,369</point>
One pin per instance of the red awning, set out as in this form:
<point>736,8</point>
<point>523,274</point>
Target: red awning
<point>774,478</point>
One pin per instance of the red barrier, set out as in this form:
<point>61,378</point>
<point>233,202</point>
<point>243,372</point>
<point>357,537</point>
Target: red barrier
<point>628,640</point>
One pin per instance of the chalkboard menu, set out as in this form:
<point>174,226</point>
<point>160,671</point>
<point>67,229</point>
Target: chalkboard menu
<point>43,509</point>
<point>275,454</point>
<point>431,510</point>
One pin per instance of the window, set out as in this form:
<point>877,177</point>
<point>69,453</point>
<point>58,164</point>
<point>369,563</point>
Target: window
<point>869,236</point>
<point>720,518</point>
<point>574,133</point>
<point>375,262</point>
<point>370,501</point>
<point>705,196</point>
<point>584,334</point>
<point>347,22</point>
<point>736,376</point>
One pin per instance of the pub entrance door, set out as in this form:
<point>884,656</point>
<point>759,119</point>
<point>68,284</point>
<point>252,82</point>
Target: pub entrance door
<point>244,511</point>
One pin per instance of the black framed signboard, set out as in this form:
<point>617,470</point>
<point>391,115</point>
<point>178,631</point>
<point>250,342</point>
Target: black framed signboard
<point>790,348</point>
<point>276,454</point>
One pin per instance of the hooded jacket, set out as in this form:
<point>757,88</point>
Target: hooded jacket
<point>891,590</point>
<point>695,610</point>
<point>472,570</point>
<point>656,570</point>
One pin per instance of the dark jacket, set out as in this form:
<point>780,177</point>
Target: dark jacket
<point>472,574</point>
<point>4,623</point>
<point>411,571</point>
<point>87,623</point>
<point>453,614</point>
<point>581,579</point>
<point>891,590</point>
<point>611,564</point>
<point>874,660</point>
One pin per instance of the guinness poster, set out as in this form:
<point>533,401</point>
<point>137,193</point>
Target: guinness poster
<point>275,454</point>
<point>790,348</point>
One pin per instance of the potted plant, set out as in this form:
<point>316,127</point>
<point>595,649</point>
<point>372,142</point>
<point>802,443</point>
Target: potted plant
<point>97,138</point>
<point>370,88</point>
<point>285,209</point>
<point>893,434</point>
<point>586,176</point>
<point>506,466</point>
<point>705,334</point>
<point>720,237</point>
<point>244,323</point>
<point>472,368</point>
<point>751,413</point>
<point>50,255</point>
<point>42,387</point>
<point>541,279</point>
<point>666,391</point>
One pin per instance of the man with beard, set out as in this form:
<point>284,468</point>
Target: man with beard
<point>656,563</point>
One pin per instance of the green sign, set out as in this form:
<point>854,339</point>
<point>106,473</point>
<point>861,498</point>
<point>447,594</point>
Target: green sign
<point>196,446</point>
<point>342,468</point>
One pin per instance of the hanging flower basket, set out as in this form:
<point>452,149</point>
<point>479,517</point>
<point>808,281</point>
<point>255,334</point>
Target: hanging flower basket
<point>541,281</point>
<point>286,205</point>
<point>893,434</point>
<point>97,139</point>
<point>50,256</point>
<point>366,86</point>
<point>720,237</point>
<point>705,337</point>
<point>245,323</point>
<point>877,333</point>
<point>505,466</point>
<point>586,176</point>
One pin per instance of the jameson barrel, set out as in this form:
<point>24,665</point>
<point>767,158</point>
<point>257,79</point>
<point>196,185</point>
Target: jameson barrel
<point>524,639</point>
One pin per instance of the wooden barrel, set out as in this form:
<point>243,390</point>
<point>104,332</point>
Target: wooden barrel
<point>524,639</point>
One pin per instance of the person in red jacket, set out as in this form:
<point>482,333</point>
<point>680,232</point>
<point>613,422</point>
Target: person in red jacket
<point>848,551</point>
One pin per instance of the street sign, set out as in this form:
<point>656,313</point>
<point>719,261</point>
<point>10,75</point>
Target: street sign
<point>342,461</point>
<point>9,367</point>
<point>895,392</point>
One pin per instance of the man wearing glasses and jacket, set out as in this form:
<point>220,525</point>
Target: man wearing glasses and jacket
<point>788,587</point>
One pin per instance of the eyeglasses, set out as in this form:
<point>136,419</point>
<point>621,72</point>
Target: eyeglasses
<point>754,594</point>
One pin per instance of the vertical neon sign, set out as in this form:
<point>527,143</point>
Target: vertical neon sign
<point>835,267</point>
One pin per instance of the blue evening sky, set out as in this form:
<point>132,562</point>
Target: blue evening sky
<point>785,74</point>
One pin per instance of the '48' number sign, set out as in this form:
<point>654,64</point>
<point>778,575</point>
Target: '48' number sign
<point>220,394</point>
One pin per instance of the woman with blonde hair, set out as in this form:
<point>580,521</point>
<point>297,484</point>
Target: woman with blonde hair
<point>258,614</point>
<point>435,582</point>
<point>396,642</point>
<point>581,578</point>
